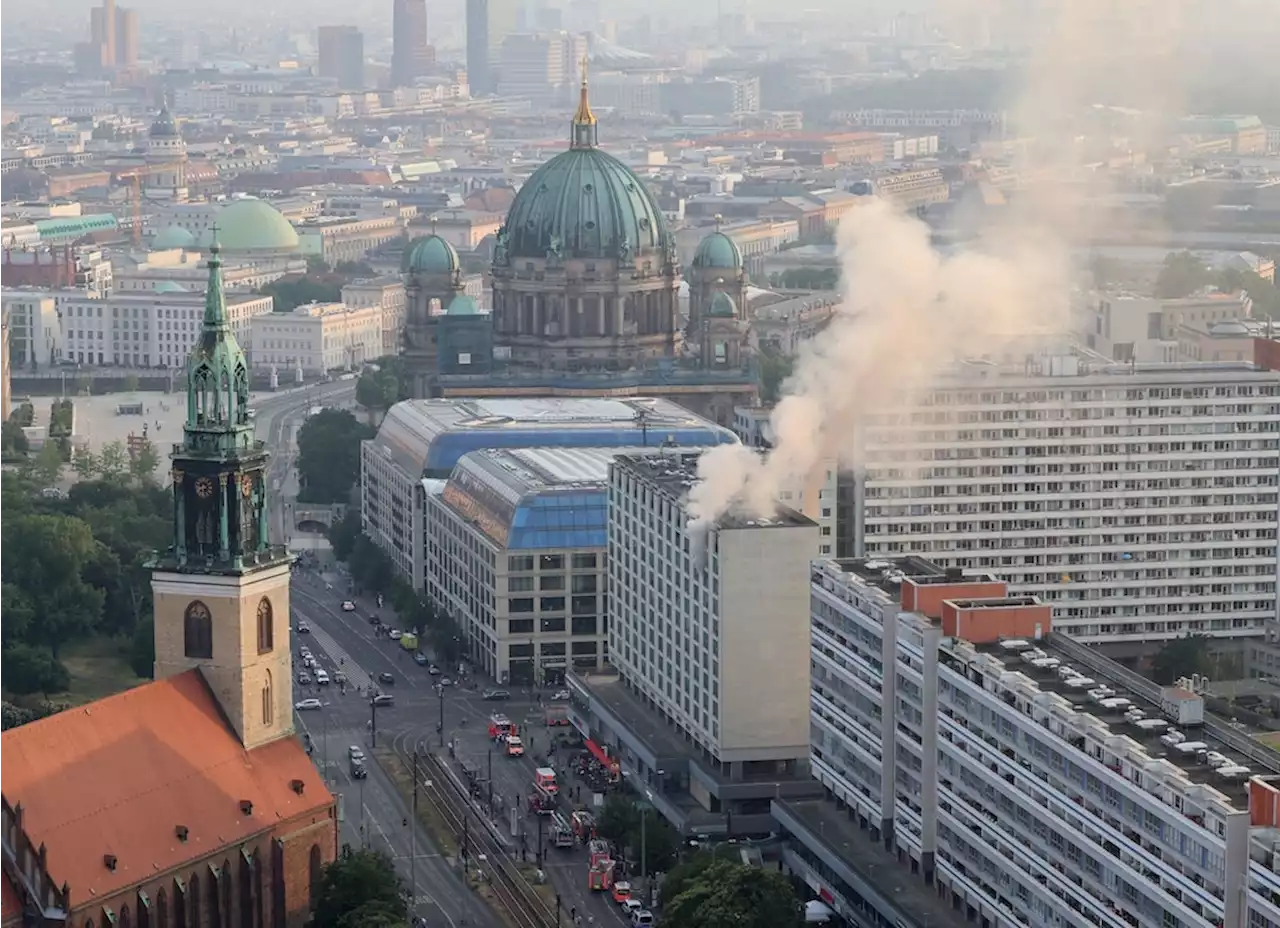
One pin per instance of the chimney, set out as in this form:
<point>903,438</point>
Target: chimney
<point>110,861</point>
<point>246,807</point>
<point>181,832</point>
<point>297,786</point>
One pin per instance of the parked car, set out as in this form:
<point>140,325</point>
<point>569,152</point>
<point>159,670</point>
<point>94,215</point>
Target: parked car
<point>444,681</point>
<point>560,696</point>
<point>339,677</point>
<point>383,699</point>
<point>304,628</point>
<point>395,634</point>
<point>433,670</point>
<point>496,695</point>
<point>304,678</point>
<point>420,659</point>
<point>322,677</point>
<point>348,606</point>
<point>386,677</point>
<point>306,704</point>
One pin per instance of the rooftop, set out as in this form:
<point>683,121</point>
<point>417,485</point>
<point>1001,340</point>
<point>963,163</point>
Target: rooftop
<point>429,437</point>
<point>675,472</point>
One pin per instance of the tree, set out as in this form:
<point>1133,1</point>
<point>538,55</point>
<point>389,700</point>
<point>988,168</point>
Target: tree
<point>686,874</point>
<point>1104,271</point>
<point>1181,657</point>
<point>15,440</point>
<point>45,556</point>
<point>143,463</point>
<point>329,455</point>
<point>354,269</point>
<point>29,670</point>
<point>732,895</point>
<point>382,384</point>
<point>86,464</point>
<point>294,290</point>
<point>775,368</point>
<point>1182,274</point>
<point>317,265</point>
<point>1264,294</point>
<point>142,649</point>
<point>113,462</point>
<point>47,466</point>
<point>130,383</point>
<point>358,890</point>
<point>623,822</point>
<point>343,534</point>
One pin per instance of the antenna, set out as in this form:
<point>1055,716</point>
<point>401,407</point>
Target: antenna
<point>642,420</point>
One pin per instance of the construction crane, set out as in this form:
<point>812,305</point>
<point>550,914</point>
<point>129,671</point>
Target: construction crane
<point>134,176</point>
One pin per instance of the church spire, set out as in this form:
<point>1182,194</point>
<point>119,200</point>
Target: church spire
<point>215,300</point>
<point>584,121</point>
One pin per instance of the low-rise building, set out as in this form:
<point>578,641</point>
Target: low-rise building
<point>388,294</point>
<point>334,239</point>
<point>35,332</point>
<point>316,338</point>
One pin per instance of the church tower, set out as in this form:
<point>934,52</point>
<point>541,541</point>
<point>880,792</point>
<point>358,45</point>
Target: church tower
<point>222,590</point>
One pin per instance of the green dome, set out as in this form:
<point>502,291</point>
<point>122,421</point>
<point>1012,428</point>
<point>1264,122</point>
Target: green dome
<point>430,255</point>
<point>174,237</point>
<point>587,203</point>
<point>719,251</point>
<point>462,305</point>
<point>253,225</point>
<point>168,286</point>
<point>722,306</point>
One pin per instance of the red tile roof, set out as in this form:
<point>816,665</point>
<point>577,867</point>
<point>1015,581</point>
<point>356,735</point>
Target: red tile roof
<point>119,775</point>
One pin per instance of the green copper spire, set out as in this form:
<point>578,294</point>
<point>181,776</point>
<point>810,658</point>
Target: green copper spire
<point>218,421</point>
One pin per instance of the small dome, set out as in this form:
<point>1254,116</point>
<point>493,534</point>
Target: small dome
<point>168,286</point>
<point>164,126</point>
<point>719,251</point>
<point>173,237</point>
<point>253,225</point>
<point>462,305</point>
<point>722,306</point>
<point>431,255</point>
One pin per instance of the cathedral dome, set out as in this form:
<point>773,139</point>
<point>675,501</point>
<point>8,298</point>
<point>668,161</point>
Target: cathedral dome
<point>722,306</point>
<point>251,225</point>
<point>164,126</point>
<point>584,203</point>
<point>174,237</point>
<point>431,255</point>
<point>717,250</point>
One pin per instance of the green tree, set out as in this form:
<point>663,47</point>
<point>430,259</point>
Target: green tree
<point>731,895</point>
<point>113,462</point>
<point>14,439</point>
<point>30,669</point>
<point>294,290</point>
<point>19,613</point>
<point>380,385</point>
<point>142,649</point>
<point>130,383</point>
<point>45,557</point>
<point>354,269</point>
<point>359,890</point>
<point>1181,275</point>
<point>685,875</point>
<point>775,368</point>
<point>329,455</point>
<point>622,821</point>
<point>87,465</point>
<point>1264,294</point>
<point>1182,657</point>
<point>143,463</point>
<point>48,464</point>
<point>317,265</point>
<point>343,534</point>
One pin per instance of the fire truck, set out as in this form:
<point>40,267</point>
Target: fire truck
<point>561,831</point>
<point>545,778</point>
<point>541,802</point>
<point>598,850</point>
<point>600,876</point>
<point>584,826</point>
<point>501,725</point>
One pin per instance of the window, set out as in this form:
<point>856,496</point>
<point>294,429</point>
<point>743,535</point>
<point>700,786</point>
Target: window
<point>523,604</point>
<point>553,649</point>
<point>268,709</point>
<point>584,647</point>
<point>162,908</point>
<point>584,605</point>
<point>520,562</point>
<point>193,896</point>
<point>584,626</point>
<point>552,604</point>
<point>519,584</point>
<point>584,562</point>
<point>551,562</point>
<point>266,626</point>
<point>553,625</point>
<point>584,583</point>
<point>520,627</point>
<point>197,631</point>
<point>551,582</point>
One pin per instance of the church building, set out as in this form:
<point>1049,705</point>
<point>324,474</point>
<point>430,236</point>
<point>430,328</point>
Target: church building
<point>187,802</point>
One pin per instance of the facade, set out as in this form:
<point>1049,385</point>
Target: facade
<point>6,366</point>
<point>706,635</point>
<point>410,57</point>
<point>540,65</point>
<point>515,550</point>
<point>35,332</point>
<point>426,439</point>
<point>166,157</point>
<point>1139,501</point>
<point>489,22</point>
<point>1020,791</point>
<point>341,55</point>
<point>335,240</point>
<point>388,294</point>
<point>316,338</point>
<point>147,328</point>
<point>107,793</point>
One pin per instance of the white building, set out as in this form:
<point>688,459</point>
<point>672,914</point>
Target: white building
<point>316,338</point>
<point>515,550</point>
<point>1025,788</point>
<point>153,328</point>
<point>35,334</point>
<point>427,438</point>
<point>388,294</point>
<point>709,627</point>
<point>1140,501</point>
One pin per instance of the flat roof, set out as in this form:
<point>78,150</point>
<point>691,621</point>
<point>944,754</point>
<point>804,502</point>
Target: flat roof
<point>658,737</point>
<point>827,827</point>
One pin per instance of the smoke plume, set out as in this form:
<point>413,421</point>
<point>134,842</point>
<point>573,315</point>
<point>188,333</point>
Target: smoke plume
<point>909,311</point>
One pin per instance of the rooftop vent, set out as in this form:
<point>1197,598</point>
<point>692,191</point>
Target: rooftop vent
<point>955,574</point>
<point>297,786</point>
<point>110,861</point>
<point>181,832</point>
<point>246,807</point>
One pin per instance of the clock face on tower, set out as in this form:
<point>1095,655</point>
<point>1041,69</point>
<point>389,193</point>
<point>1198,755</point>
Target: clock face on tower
<point>204,487</point>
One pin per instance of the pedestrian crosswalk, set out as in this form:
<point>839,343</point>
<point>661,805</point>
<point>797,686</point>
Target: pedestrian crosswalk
<point>341,659</point>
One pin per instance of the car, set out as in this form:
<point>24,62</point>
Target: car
<point>304,651</point>
<point>433,670</point>
<point>374,620</point>
<point>383,699</point>
<point>304,628</point>
<point>305,704</point>
<point>339,677</point>
<point>395,634</point>
<point>355,753</point>
<point>309,663</point>
<point>630,905</point>
<point>304,678</point>
<point>641,918</point>
<point>444,681</point>
<point>420,659</point>
<point>495,695</point>
<point>358,770</point>
<point>322,677</point>
<point>348,606</point>
<point>386,677</point>
<point>560,696</point>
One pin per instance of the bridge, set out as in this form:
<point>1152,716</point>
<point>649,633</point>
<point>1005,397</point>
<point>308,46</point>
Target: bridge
<point>317,519</point>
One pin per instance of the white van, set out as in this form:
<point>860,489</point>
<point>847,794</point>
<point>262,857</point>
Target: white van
<point>322,677</point>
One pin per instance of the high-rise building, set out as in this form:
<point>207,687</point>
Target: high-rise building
<point>126,51</point>
<point>113,40</point>
<point>541,65</point>
<point>410,55</point>
<point>1138,500</point>
<point>102,31</point>
<point>341,51</point>
<point>489,22</point>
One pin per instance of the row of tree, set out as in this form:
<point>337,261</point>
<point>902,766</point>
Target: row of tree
<point>1182,274</point>
<point>382,384</point>
<point>329,455</point>
<point>806,278</point>
<point>320,284</point>
<point>372,570</point>
<point>360,889</point>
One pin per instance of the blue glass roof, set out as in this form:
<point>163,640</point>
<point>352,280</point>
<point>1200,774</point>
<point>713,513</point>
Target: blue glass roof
<point>447,448</point>
<point>562,520</point>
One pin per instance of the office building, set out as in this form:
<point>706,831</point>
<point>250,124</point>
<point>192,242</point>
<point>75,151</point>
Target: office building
<point>35,332</point>
<point>718,96</point>
<point>410,56</point>
<point>126,38</point>
<point>425,439</point>
<point>113,39</point>
<point>541,66</point>
<point>1021,775</point>
<point>341,50</point>
<point>515,550</point>
<point>102,32</point>
<point>489,22</point>
<point>316,338</point>
<point>388,294</point>
<point>1138,500</point>
<point>708,709</point>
